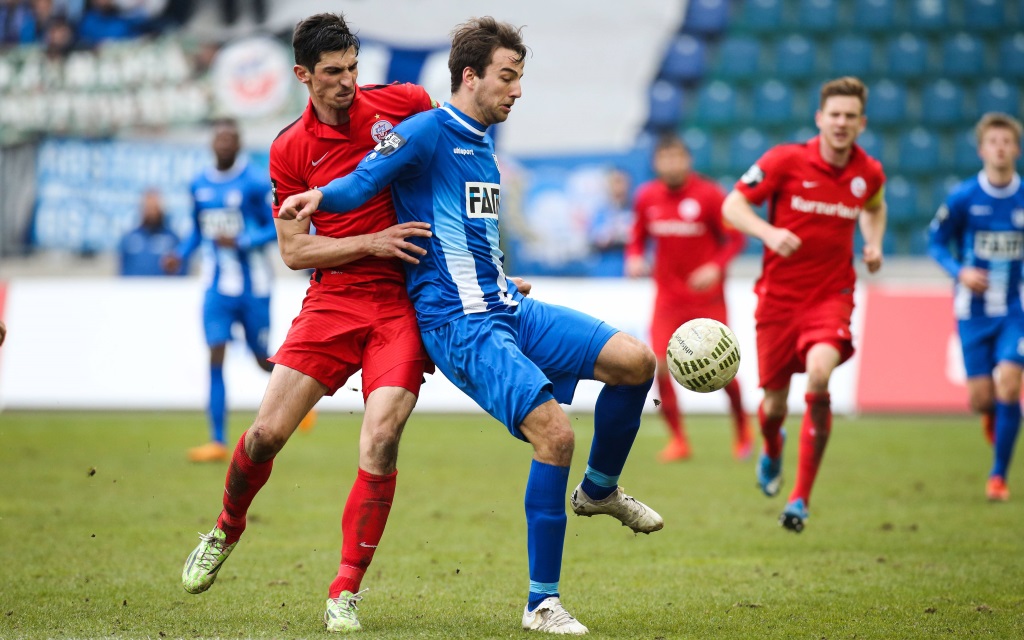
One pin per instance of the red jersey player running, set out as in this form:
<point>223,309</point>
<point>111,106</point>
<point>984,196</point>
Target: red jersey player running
<point>817,193</point>
<point>682,212</point>
<point>356,314</point>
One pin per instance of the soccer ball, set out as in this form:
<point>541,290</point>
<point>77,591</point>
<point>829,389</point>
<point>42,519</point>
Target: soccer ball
<point>703,355</point>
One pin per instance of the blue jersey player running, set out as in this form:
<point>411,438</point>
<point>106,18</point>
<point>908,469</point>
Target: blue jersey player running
<point>231,225</point>
<point>516,357</point>
<point>983,218</point>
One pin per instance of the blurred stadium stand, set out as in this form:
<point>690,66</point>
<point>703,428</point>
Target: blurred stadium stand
<point>732,76</point>
<point>932,68</point>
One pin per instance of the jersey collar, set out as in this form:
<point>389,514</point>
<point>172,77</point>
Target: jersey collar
<point>321,130</point>
<point>814,151</point>
<point>998,192</point>
<point>468,123</point>
<point>213,174</point>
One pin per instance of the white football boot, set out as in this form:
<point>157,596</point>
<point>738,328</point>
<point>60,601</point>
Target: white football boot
<point>626,509</point>
<point>551,617</point>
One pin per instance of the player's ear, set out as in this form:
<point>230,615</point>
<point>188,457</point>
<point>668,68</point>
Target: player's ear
<point>469,77</point>
<point>302,73</point>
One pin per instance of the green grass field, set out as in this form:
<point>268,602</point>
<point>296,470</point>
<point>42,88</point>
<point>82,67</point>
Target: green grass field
<point>99,510</point>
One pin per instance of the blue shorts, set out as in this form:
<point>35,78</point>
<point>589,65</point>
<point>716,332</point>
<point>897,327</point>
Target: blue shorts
<point>220,312</point>
<point>989,341</point>
<point>511,363</point>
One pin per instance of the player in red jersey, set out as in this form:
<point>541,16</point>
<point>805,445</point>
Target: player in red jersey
<point>682,213</point>
<point>817,193</point>
<point>356,314</point>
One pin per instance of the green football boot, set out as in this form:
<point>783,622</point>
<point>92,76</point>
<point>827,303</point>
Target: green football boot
<point>205,561</point>
<point>341,614</point>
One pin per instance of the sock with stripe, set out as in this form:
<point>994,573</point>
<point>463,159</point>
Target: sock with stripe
<point>545,528</point>
<point>362,526</point>
<point>616,423</point>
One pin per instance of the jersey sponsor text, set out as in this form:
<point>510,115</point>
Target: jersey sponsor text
<point>482,199</point>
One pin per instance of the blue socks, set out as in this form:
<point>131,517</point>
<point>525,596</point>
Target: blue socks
<point>545,528</point>
<point>218,402</point>
<point>1007,423</point>
<point>616,422</point>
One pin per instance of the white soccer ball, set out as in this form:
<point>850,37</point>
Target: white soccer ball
<point>703,355</point>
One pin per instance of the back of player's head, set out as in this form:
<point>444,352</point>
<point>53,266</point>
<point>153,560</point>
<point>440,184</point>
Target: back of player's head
<point>996,120</point>
<point>845,86</point>
<point>319,34</point>
<point>474,43</point>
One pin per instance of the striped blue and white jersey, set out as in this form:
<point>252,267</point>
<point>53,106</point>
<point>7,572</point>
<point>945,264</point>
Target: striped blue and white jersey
<point>442,170</point>
<point>232,204</point>
<point>984,224</point>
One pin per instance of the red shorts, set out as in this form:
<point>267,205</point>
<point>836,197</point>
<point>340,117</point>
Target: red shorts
<point>666,321</point>
<point>339,332</point>
<point>785,335</point>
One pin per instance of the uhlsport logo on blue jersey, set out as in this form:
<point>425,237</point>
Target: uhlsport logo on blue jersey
<point>482,199</point>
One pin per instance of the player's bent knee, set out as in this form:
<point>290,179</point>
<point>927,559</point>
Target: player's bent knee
<point>263,441</point>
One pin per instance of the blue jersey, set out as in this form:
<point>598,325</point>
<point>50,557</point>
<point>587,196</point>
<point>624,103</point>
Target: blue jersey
<point>442,170</point>
<point>985,225</point>
<point>232,204</point>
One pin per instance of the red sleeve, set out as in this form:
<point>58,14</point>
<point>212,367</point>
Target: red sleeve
<point>730,240</point>
<point>637,245</point>
<point>763,177</point>
<point>284,180</point>
<point>419,99</point>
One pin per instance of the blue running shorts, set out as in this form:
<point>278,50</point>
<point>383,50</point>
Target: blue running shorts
<point>511,363</point>
<point>989,341</point>
<point>220,312</point>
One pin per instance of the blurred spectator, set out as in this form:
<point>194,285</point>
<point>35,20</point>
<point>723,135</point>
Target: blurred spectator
<point>13,16</point>
<point>59,38</point>
<point>103,20</point>
<point>611,225</point>
<point>143,248</point>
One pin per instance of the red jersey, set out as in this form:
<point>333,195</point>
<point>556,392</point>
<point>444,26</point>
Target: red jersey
<point>688,230</point>
<point>309,154</point>
<point>820,204</point>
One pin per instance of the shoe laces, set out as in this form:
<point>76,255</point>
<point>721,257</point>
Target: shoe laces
<point>557,617</point>
<point>213,548</point>
<point>348,606</point>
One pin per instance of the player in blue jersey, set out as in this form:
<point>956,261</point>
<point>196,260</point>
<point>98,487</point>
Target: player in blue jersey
<point>516,357</point>
<point>983,219</point>
<point>231,226</point>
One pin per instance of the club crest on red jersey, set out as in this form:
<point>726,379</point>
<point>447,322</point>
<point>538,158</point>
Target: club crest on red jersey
<point>380,129</point>
<point>858,187</point>
<point>689,209</point>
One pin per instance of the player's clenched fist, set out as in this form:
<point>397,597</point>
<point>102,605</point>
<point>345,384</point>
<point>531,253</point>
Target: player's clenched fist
<point>300,206</point>
<point>782,241</point>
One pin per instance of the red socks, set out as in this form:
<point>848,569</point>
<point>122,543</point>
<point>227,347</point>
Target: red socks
<point>244,480</point>
<point>814,434</point>
<point>771,429</point>
<point>670,406</point>
<point>362,525</point>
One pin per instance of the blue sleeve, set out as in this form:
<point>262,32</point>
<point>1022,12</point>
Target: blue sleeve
<point>405,152</point>
<point>947,226</point>
<point>191,243</point>
<point>263,232</point>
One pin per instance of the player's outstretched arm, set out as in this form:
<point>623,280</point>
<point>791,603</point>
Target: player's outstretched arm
<point>738,212</point>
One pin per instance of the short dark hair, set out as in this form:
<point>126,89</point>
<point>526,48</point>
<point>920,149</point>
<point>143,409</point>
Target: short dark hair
<point>319,34</point>
<point>845,86</point>
<point>474,43</point>
<point>670,141</point>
